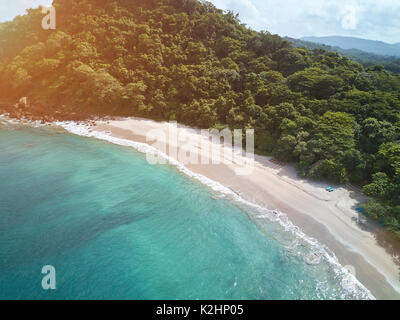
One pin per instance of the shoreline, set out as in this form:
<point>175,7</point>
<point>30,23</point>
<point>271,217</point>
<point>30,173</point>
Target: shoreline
<point>328,217</point>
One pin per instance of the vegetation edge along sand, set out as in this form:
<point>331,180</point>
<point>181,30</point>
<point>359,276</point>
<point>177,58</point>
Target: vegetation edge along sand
<point>333,216</point>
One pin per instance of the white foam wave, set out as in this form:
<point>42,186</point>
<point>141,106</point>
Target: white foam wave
<point>353,286</point>
<point>317,249</point>
<point>23,121</point>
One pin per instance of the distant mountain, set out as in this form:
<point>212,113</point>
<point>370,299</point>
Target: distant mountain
<point>371,46</point>
<point>391,63</point>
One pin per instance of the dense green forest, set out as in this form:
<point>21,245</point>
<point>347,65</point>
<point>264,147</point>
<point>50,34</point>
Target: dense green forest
<point>188,61</point>
<point>365,58</point>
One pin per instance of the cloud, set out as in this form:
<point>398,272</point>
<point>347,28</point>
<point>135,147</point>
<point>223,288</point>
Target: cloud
<point>370,19</point>
<point>11,8</point>
<point>349,19</point>
<point>249,9</point>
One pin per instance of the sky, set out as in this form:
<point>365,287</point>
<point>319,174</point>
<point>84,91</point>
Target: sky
<point>368,19</point>
<point>11,8</point>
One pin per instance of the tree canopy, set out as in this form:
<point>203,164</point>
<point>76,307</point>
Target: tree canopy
<point>188,61</point>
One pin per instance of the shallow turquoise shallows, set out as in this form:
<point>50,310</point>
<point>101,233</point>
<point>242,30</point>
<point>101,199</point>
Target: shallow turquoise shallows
<point>115,227</point>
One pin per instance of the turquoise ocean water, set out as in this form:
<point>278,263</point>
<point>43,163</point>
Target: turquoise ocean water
<point>116,227</point>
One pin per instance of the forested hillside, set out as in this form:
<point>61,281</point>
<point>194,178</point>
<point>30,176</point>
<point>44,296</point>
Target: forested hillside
<point>348,43</point>
<point>185,60</point>
<point>367,59</point>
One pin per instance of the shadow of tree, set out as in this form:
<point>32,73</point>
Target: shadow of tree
<point>386,239</point>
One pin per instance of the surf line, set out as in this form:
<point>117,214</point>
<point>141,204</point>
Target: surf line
<point>279,217</point>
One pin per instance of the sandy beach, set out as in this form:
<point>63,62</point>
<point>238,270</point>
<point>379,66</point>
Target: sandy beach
<point>328,217</point>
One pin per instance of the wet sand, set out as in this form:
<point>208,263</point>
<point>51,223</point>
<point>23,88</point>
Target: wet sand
<point>328,217</point>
